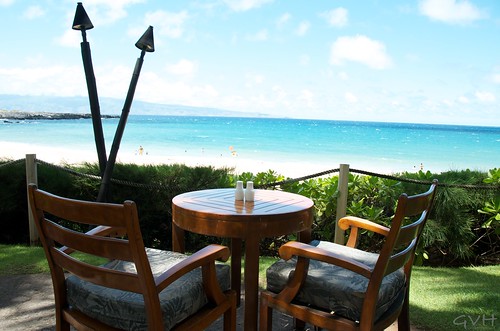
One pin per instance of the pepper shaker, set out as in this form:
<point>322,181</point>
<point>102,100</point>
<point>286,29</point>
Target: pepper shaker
<point>249,192</point>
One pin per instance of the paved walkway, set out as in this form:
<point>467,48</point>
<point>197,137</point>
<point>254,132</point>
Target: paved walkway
<point>27,303</point>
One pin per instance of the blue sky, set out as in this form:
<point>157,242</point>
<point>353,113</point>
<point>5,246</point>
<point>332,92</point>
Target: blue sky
<point>423,61</point>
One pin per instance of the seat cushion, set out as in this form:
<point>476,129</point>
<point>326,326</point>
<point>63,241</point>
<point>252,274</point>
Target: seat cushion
<point>335,289</point>
<point>125,310</point>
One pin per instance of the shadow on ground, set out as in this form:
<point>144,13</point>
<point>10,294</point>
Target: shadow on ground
<point>27,303</point>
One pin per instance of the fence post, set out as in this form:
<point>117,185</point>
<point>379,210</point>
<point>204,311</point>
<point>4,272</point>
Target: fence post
<point>341,202</point>
<point>31,177</point>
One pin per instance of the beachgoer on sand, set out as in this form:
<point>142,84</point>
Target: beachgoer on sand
<point>233,151</point>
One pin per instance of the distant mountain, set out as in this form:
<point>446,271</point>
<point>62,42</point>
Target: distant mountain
<point>108,106</point>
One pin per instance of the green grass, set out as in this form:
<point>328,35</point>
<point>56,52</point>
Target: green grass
<point>441,299</point>
<point>456,298</point>
<point>19,259</point>
<point>16,259</point>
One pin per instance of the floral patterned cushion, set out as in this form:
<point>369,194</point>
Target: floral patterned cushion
<point>125,310</point>
<point>335,289</point>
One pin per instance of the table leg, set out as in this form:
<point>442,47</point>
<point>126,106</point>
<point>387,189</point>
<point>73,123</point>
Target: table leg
<point>305,236</point>
<point>236,267</point>
<point>177,239</point>
<point>251,282</point>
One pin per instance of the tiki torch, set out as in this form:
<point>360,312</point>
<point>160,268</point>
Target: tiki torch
<point>145,44</point>
<point>82,22</point>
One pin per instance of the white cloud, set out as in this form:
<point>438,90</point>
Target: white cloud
<point>307,97</point>
<point>396,104</point>
<point>102,12</point>
<point>167,23</point>
<point>183,68</point>
<point>496,78</point>
<point>343,75</point>
<point>113,81</point>
<point>70,38</point>
<point>350,97</point>
<point>283,19</point>
<point>448,102</point>
<point>258,79</point>
<point>451,11</point>
<point>254,79</point>
<point>6,2</point>
<point>49,80</point>
<point>304,60</point>
<point>280,95</point>
<point>303,28</point>
<point>261,35</point>
<point>58,80</point>
<point>360,49</point>
<point>33,12</point>
<point>244,5</point>
<point>115,4</point>
<point>463,99</point>
<point>486,97</point>
<point>336,17</point>
<point>177,92</point>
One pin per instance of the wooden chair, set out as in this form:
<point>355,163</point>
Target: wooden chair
<point>140,288</point>
<point>338,287</point>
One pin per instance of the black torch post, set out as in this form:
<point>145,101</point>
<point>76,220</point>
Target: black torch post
<point>145,44</point>
<point>82,22</point>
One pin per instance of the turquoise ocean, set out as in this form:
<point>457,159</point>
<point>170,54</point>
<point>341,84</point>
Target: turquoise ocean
<point>369,146</point>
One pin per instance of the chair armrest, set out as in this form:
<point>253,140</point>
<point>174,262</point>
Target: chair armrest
<point>355,223</point>
<point>201,258</point>
<point>100,230</point>
<point>295,248</point>
<point>352,221</point>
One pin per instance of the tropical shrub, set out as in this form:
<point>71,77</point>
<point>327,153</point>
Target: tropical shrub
<point>489,231</point>
<point>492,208</point>
<point>461,229</point>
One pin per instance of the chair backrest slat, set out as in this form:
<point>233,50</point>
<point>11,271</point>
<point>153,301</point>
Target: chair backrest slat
<point>418,203</point>
<point>400,258</point>
<point>110,248</point>
<point>85,212</point>
<point>409,232</point>
<point>125,281</point>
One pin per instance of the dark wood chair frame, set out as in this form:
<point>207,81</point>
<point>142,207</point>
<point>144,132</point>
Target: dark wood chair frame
<point>113,221</point>
<point>397,251</point>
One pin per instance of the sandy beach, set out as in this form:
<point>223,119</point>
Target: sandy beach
<point>58,155</point>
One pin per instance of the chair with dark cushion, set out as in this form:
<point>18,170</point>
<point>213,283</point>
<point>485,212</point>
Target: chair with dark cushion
<point>338,287</point>
<point>139,288</point>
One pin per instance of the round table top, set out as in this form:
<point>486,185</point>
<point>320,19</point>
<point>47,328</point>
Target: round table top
<point>222,202</point>
<point>216,212</point>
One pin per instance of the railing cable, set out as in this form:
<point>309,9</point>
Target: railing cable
<point>267,185</point>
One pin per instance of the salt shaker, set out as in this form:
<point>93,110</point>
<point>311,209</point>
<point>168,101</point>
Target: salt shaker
<point>238,193</point>
<point>249,192</point>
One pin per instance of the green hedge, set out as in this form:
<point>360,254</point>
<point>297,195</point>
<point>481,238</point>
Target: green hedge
<point>455,234</point>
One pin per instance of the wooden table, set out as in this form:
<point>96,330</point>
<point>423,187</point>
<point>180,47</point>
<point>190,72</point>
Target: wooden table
<point>215,212</point>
